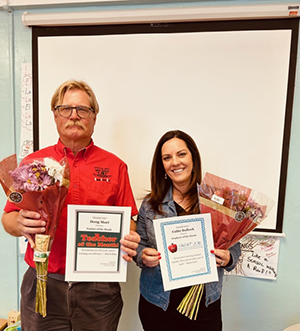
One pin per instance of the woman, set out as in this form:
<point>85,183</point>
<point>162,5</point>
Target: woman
<point>175,172</point>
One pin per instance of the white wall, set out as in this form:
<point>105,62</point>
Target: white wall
<point>248,304</point>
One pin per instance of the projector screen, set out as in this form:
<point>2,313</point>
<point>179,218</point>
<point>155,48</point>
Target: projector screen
<point>227,84</point>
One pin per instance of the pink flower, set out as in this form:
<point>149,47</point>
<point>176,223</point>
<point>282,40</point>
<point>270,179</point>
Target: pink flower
<point>239,201</point>
<point>31,177</point>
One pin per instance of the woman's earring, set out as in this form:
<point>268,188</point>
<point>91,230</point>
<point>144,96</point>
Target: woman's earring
<point>166,177</point>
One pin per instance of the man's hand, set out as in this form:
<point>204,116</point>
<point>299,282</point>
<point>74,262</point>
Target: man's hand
<point>129,244</point>
<point>29,224</point>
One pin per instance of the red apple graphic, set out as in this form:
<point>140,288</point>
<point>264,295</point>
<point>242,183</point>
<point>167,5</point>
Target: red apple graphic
<point>172,248</point>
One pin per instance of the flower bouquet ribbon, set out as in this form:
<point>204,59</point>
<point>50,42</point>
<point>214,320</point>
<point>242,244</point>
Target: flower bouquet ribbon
<point>235,211</point>
<point>40,186</point>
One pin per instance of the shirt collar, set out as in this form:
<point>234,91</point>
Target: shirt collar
<point>84,152</point>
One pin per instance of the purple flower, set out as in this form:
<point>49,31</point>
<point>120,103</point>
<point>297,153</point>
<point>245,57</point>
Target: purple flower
<point>31,177</point>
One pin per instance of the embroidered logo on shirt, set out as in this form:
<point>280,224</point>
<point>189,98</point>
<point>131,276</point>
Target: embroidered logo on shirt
<point>102,174</point>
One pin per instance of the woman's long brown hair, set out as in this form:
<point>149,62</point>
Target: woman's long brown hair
<point>160,185</point>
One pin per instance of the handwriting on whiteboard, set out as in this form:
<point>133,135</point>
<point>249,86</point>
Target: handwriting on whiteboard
<point>26,143</point>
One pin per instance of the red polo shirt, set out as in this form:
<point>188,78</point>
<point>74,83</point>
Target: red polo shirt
<point>97,177</point>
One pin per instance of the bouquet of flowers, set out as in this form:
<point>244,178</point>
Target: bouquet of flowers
<point>235,211</point>
<point>40,186</point>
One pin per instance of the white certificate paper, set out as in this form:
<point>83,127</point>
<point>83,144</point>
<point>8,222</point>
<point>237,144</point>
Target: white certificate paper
<point>93,243</point>
<point>185,243</point>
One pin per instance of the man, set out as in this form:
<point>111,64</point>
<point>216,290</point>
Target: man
<point>74,306</point>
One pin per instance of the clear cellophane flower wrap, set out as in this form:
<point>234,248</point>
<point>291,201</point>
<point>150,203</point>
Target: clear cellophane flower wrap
<point>41,186</point>
<point>235,211</point>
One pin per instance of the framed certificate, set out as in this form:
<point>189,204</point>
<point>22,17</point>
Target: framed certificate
<point>93,243</point>
<point>185,243</point>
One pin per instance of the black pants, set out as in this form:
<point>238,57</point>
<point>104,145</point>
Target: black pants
<point>154,318</point>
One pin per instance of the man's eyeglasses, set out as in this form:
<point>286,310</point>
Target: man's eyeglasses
<point>81,111</point>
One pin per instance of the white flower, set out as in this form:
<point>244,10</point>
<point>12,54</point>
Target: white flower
<point>55,169</point>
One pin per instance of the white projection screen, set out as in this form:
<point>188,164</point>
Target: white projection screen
<point>227,84</point>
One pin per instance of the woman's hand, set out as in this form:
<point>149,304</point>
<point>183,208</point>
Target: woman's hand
<point>222,257</point>
<point>151,257</point>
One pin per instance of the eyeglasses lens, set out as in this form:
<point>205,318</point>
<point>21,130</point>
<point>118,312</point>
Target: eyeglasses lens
<point>82,112</point>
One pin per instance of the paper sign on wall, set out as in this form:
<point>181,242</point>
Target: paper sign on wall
<point>259,258</point>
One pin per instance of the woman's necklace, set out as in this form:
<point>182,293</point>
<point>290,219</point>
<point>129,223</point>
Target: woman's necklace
<point>180,198</point>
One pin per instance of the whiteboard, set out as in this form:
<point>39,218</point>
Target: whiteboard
<point>227,88</point>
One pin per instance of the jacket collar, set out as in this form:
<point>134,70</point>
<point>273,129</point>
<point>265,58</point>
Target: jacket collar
<point>169,196</point>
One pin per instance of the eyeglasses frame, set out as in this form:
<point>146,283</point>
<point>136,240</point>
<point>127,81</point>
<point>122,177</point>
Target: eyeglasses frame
<point>72,108</point>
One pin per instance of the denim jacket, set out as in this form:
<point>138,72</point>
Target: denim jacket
<point>151,286</point>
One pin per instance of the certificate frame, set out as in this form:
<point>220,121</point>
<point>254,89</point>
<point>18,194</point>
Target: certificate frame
<point>189,261</point>
<point>93,243</point>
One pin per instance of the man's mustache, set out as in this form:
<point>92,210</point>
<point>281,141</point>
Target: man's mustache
<point>72,123</point>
